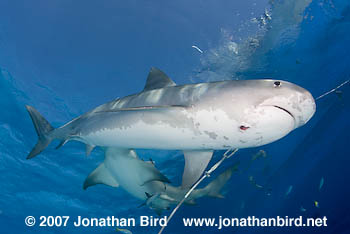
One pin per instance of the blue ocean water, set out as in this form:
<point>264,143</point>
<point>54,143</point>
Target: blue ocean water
<point>67,57</point>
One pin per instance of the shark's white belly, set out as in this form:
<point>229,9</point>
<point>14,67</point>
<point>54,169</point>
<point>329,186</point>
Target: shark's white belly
<point>135,176</point>
<point>129,180</point>
<point>208,130</point>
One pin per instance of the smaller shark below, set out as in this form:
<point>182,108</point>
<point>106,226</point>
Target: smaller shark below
<point>142,180</point>
<point>171,195</point>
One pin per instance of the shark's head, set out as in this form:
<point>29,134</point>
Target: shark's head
<point>268,109</point>
<point>290,98</point>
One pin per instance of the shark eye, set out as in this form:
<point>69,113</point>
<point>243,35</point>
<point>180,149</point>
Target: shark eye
<point>277,84</point>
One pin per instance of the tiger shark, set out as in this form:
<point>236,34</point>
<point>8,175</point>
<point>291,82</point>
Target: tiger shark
<point>195,118</point>
<point>141,179</point>
<point>166,195</point>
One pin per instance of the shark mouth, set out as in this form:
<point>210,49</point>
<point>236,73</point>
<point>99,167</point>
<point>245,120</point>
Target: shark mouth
<point>281,108</point>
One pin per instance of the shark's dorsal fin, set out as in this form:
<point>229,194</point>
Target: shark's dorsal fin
<point>100,175</point>
<point>195,163</point>
<point>157,79</point>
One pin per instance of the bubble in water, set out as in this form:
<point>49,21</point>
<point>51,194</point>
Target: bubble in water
<point>232,46</point>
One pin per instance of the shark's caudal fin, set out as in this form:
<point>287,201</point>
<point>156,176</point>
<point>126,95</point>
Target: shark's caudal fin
<point>43,129</point>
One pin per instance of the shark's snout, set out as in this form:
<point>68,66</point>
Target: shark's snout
<point>305,108</point>
<point>300,105</point>
<point>295,101</point>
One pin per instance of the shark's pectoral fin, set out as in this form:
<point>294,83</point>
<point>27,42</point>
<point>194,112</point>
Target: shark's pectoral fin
<point>195,164</point>
<point>156,177</point>
<point>89,149</point>
<point>157,79</point>
<point>100,175</point>
<point>162,179</point>
<point>151,173</point>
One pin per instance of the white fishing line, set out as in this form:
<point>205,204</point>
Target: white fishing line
<point>197,48</point>
<point>206,174</point>
<point>333,90</point>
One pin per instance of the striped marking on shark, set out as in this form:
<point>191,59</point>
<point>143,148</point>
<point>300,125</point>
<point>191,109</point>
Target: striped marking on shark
<point>195,118</point>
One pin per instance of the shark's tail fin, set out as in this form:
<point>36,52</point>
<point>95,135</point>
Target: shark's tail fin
<point>43,128</point>
<point>214,188</point>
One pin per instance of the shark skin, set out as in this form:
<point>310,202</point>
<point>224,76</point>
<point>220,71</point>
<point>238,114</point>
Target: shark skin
<point>123,168</point>
<point>196,118</point>
<point>165,196</point>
